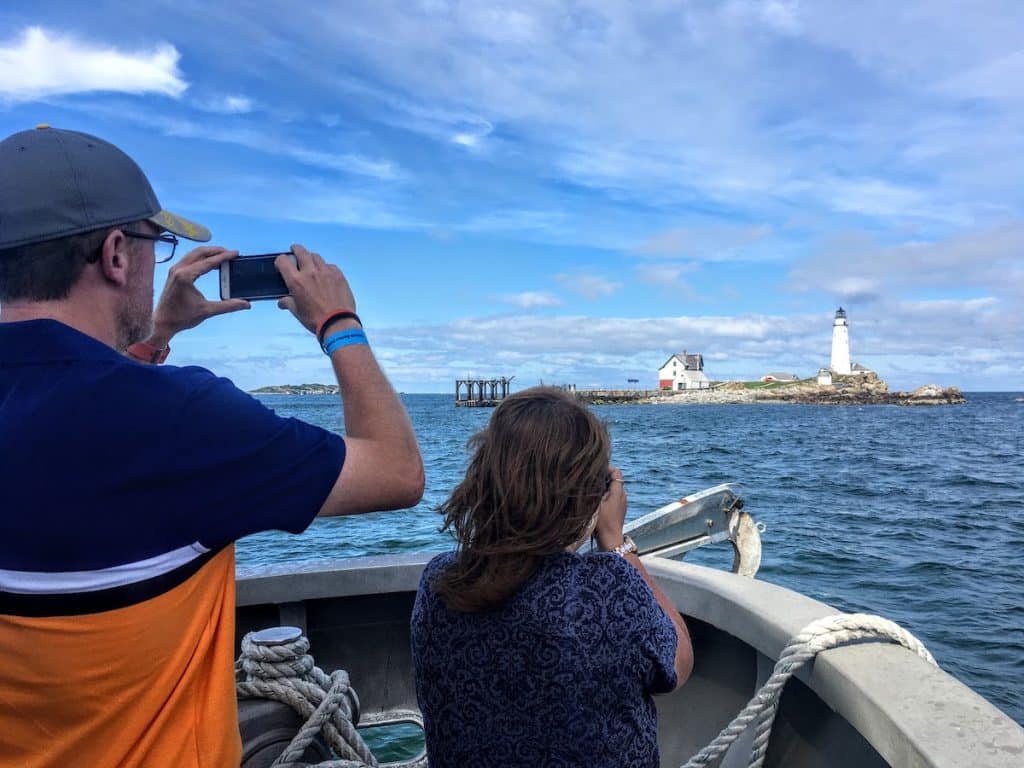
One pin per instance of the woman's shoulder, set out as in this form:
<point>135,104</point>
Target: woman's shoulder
<point>434,566</point>
<point>441,559</point>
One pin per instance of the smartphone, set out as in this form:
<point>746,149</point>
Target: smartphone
<point>253,277</point>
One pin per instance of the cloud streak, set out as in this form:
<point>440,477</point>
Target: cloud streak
<point>530,299</point>
<point>589,286</point>
<point>226,104</point>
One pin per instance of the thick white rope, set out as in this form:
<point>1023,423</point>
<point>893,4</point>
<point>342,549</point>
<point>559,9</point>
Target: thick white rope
<point>818,636</point>
<point>286,673</point>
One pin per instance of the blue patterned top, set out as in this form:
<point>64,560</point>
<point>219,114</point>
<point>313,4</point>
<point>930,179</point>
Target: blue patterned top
<point>560,675</point>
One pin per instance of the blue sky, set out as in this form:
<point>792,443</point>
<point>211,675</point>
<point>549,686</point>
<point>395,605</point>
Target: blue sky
<point>571,192</point>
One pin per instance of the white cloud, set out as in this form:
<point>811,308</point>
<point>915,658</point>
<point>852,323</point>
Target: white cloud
<point>996,80</point>
<point>517,221</point>
<point>856,266</point>
<point>743,107</point>
<point>885,199</point>
<point>673,103</point>
<point>41,64</point>
<point>226,104</point>
<point>779,15</point>
<point>457,126</point>
<point>530,299</point>
<point>295,198</point>
<point>255,138</point>
<point>717,242</point>
<point>855,289</point>
<point>662,274</point>
<point>589,286</point>
<point>471,134</point>
<point>668,278</point>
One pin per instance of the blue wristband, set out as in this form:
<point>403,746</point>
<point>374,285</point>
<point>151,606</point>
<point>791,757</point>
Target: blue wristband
<point>344,339</point>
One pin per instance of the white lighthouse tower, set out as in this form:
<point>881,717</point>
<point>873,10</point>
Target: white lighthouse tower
<point>841,344</point>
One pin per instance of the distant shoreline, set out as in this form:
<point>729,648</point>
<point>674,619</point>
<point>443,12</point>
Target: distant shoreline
<point>845,390</point>
<point>948,396</point>
<point>296,389</point>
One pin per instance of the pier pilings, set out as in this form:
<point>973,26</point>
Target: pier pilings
<point>482,393</point>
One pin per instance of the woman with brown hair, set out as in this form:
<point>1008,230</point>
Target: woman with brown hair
<point>527,653</point>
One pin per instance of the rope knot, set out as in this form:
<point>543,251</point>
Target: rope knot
<point>272,655</point>
<point>275,665</point>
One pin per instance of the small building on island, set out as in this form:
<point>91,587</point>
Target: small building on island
<point>768,378</point>
<point>824,377</point>
<point>683,371</point>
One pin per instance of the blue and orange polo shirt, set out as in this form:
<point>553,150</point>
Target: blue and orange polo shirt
<point>122,488</point>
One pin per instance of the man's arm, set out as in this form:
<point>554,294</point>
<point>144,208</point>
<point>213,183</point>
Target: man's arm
<point>383,468</point>
<point>611,516</point>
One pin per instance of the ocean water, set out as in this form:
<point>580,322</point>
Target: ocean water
<point>916,514</point>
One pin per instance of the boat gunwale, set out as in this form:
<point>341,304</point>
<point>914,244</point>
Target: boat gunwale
<point>935,721</point>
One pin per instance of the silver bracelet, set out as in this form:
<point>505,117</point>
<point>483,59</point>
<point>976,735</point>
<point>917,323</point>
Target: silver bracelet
<point>627,547</point>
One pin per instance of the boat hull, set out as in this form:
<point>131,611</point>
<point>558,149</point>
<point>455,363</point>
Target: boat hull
<point>865,705</point>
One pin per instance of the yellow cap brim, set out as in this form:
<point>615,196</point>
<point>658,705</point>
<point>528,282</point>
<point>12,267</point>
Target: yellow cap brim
<point>181,226</point>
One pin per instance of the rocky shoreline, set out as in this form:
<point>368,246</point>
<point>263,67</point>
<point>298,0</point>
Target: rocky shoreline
<point>297,389</point>
<point>845,390</point>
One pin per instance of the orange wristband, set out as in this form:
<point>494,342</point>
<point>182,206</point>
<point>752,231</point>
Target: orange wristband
<point>147,353</point>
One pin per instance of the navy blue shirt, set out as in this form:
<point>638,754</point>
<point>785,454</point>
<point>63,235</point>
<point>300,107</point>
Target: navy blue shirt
<point>560,675</point>
<point>119,479</point>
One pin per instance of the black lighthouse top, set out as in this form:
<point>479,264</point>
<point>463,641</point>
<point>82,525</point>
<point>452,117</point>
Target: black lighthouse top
<point>840,313</point>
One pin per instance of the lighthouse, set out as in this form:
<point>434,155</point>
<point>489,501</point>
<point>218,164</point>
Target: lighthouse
<point>841,344</point>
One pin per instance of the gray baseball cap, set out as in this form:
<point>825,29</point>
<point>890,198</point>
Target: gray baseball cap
<point>55,183</point>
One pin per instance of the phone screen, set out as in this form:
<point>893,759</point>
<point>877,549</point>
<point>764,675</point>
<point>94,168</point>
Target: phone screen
<point>255,277</point>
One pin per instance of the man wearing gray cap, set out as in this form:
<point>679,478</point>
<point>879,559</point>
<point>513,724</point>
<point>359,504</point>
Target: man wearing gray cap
<point>126,482</point>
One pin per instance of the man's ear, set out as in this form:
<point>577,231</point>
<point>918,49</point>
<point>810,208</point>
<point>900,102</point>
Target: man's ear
<point>114,258</point>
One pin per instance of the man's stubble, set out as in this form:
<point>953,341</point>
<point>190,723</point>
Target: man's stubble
<point>135,318</point>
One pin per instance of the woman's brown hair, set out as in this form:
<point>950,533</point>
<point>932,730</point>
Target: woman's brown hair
<point>533,486</point>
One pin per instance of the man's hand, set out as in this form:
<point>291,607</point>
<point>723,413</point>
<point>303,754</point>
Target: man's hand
<point>315,288</point>
<point>181,305</point>
<point>611,515</point>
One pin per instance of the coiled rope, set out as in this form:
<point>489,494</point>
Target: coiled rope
<point>283,671</point>
<point>821,635</point>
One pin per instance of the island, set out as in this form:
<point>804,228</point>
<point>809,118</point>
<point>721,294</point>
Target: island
<point>858,389</point>
<point>297,389</point>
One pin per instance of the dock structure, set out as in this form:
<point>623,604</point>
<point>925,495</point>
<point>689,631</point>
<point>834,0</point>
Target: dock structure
<point>482,393</point>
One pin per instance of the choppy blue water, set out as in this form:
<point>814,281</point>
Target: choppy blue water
<point>916,514</point>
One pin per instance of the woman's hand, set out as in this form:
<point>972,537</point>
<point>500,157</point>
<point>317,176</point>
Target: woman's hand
<point>611,515</point>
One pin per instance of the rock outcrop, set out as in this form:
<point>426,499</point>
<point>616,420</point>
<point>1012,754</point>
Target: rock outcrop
<point>864,389</point>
